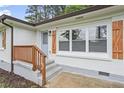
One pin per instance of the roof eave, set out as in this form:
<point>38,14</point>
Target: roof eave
<point>91,9</point>
<point>15,19</point>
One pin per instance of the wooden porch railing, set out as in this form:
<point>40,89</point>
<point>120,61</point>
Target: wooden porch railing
<point>32,54</point>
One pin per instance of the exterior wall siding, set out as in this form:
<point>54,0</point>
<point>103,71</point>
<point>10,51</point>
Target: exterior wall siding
<point>23,36</point>
<point>92,64</point>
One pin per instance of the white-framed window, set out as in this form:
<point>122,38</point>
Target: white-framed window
<point>78,40</point>
<point>84,39</point>
<point>98,39</point>
<point>64,40</point>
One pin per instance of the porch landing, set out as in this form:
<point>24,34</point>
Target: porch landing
<point>25,70</point>
<point>69,80</point>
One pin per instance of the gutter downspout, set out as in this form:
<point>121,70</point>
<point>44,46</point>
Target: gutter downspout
<point>12,67</point>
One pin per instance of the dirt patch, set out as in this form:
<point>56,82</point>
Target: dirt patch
<point>68,80</point>
<point>8,80</point>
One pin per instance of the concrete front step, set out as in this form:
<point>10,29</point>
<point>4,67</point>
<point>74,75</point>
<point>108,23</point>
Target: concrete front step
<point>49,62</point>
<point>50,66</point>
<point>53,72</point>
<point>52,69</point>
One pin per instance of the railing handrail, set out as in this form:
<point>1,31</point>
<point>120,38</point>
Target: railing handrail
<point>37,48</point>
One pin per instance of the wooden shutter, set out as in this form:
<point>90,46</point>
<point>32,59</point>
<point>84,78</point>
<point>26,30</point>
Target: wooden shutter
<point>4,39</point>
<point>53,42</point>
<point>117,39</point>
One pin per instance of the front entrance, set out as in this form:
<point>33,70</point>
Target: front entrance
<point>44,42</point>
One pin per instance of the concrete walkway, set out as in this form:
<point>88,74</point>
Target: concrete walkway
<point>68,80</point>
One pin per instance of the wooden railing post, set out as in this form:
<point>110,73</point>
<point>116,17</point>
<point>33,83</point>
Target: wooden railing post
<point>33,58</point>
<point>43,70</point>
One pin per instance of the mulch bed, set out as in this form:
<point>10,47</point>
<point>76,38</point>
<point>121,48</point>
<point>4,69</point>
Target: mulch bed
<point>8,80</point>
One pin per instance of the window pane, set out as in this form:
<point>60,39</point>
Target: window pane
<point>78,40</point>
<point>45,38</point>
<point>64,40</point>
<point>98,39</point>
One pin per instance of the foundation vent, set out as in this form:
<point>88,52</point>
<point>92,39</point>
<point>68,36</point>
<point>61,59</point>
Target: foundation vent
<point>103,73</point>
